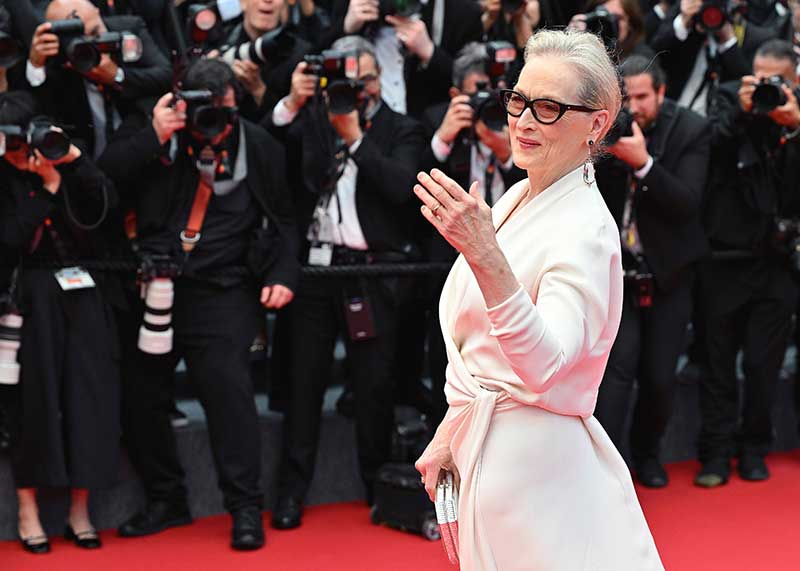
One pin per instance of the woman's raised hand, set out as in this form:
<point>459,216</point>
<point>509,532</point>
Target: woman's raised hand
<point>462,218</point>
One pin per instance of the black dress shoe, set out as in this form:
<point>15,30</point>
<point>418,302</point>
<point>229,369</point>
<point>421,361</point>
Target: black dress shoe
<point>753,469</point>
<point>714,472</point>
<point>248,529</point>
<point>155,517</point>
<point>288,513</point>
<point>35,545</point>
<point>85,539</point>
<point>651,474</point>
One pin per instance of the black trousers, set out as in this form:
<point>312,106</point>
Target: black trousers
<point>66,419</point>
<point>749,307</point>
<point>437,354</point>
<point>646,350</point>
<point>213,331</point>
<point>316,317</point>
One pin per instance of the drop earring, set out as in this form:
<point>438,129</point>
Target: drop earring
<point>586,168</point>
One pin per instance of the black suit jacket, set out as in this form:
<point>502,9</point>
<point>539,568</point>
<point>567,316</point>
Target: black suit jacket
<point>457,167</point>
<point>63,95</point>
<point>668,200</point>
<point>429,85</point>
<point>679,59</point>
<point>134,161</point>
<point>388,162</point>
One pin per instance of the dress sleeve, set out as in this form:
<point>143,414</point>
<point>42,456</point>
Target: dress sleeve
<point>544,340</point>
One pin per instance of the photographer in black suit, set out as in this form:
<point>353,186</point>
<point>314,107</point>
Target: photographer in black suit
<point>415,52</point>
<point>751,205</point>
<point>466,149</point>
<point>654,188</point>
<point>211,196</point>
<point>352,179</point>
<point>93,104</point>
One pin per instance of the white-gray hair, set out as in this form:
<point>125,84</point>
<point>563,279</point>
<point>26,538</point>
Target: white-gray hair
<point>600,85</point>
<point>356,44</point>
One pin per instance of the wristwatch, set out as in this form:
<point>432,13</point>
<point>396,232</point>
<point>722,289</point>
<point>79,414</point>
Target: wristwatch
<point>119,77</point>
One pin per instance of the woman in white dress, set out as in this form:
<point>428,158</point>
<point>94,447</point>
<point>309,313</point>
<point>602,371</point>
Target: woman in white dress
<point>529,313</point>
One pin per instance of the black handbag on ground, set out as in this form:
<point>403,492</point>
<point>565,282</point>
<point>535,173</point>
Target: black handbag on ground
<point>402,503</point>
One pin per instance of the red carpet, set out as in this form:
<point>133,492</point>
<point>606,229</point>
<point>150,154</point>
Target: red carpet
<point>740,527</point>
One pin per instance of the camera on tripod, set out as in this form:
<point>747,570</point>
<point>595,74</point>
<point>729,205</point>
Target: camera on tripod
<point>486,101</point>
<point>769,94</point>
<point>603,23</point>
<point>84,52</point>
<point>203,117</point>
<point>156,275</point>
<point>338,79</point>
<point>273,46</point>
<point>205,22</point>
<point>41,135</point>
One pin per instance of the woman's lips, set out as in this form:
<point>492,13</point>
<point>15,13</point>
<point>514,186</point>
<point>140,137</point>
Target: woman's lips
<point>527,143</point>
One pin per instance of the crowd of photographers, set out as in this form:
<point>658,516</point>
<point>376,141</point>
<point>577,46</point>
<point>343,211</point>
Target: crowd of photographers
<point>220,146</point>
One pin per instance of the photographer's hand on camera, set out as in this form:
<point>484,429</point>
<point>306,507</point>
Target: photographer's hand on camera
<point>43,46</point>
<point>414,36</point>
<point>690,9</point>
<point>168,118</point>
<point>577,23</point>
<point>304,86</point>
<point>347,126</point>
<point>787,114</point>
<point>498,141</point>
<point>276,296</point>
<point>491,11</point>
<point>748,86</point>
<point>632,150</point>
<point>360,12</point>
<point>459,116</point>
<point>249,75</point>
<point>105,73</point>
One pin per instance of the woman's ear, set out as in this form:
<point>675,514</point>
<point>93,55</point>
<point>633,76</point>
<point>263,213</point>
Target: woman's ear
<point>601,124</point>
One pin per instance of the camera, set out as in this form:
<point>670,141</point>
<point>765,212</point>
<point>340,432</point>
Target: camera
<point>155,275</point>
<point>486,101</point>
<point>202,116</point>
<point>275,45</point>
<point>41,135</point>
<point>715,13</point>
<point>10,340</point>
<point>204,22</point>
<point>84,52</point>
<point>603,23</point>
<point>10,51</point>
<point>512,6</point>
<point>769,94</point>
<point>338,78</point>
<point>402,8</point>
<point>622,127</point>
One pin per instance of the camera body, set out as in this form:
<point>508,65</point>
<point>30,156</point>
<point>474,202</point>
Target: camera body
<point>338,78</point>
<point>622,127</point>
<point>402,8</point>
<point>603,23</point>
<point>84,52</point>
<point>714,14</point>
<point>205,22</point>
<point>486,101</point>
<point>275,45</point>
<point>41,134</point>
<point>202,116</point>
<point>769,94</point>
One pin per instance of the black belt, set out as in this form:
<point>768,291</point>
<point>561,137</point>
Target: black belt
<point>344,256</point>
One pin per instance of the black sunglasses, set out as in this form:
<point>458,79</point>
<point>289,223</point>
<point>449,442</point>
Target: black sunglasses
<point>545,111</point>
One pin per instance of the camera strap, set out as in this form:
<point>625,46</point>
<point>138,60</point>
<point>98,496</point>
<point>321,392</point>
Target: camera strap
<point>207,167</point>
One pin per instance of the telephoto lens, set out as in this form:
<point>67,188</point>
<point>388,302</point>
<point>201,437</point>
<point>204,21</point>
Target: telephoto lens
<point>270,47</point>
<point>10,339</point>
<point>713,15</point>
<point>48,139</point>
<point>155,334</point>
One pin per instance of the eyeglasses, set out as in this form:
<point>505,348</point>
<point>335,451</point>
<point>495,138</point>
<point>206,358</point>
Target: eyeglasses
<point>545,111</point>
<point>369,78</point>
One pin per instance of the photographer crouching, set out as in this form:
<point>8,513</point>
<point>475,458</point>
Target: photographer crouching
<point>751,205</point>
<point>470,142</point>
<point>653,187</point>
<point>211,198</point>
<point>67,427</point>
<point>354,166</point>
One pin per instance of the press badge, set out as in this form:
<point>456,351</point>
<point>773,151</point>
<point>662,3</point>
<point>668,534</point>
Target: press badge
<point>320,254</point>
<point>74,278</point>
<point>320,234</point>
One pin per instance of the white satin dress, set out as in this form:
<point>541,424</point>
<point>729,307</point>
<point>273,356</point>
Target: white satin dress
<point>542,486</point>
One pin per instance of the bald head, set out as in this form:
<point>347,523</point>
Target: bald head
<point>83,9</point>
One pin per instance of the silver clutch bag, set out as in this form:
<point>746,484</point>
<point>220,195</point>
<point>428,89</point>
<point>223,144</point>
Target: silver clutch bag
<point>447,516</point>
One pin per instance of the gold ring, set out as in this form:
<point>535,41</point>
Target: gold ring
<point>435,208</point>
